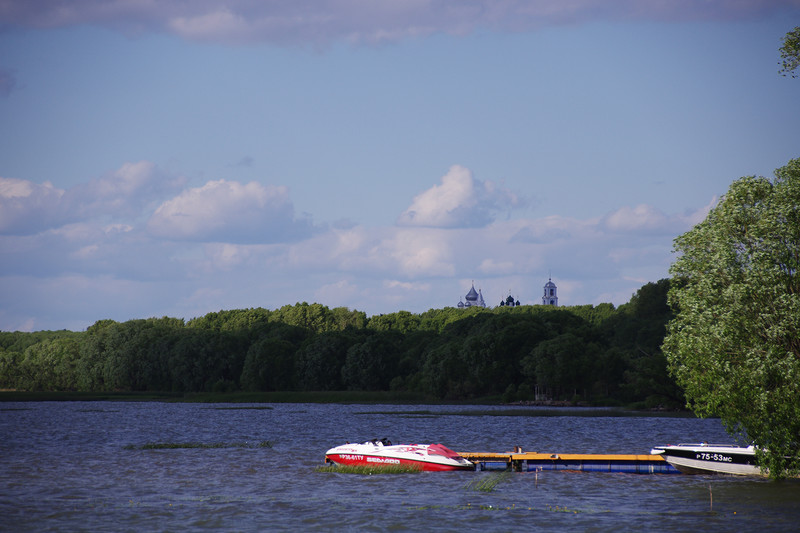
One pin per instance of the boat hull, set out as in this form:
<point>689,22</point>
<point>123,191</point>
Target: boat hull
<point>711,459</point>
<point>428,458</point>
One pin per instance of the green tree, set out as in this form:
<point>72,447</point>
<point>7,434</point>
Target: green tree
<point>319,362</point>
<point>563,365</point>
<point>94,347</point>
<point>314,317</point>
<point>203,360</point>
<point>790,53</point>
<point>136,354</point>
<point>402,321</point>
<point>371,365</point>
<point>444,374</point>
<point>10,369</point>
<point>734,345</point>
<point>50,365</point>
<point>269,365</point>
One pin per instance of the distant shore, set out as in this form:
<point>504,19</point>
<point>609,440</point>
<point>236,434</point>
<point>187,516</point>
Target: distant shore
<point>230,397</point>
<point>335,397</point>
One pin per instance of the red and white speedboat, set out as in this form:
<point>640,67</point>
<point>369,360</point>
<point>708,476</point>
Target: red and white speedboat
<point>427,457</point>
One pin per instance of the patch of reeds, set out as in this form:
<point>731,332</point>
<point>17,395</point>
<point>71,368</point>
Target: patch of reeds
<point>196,445</point>
<point>368,470</point>
<point>485,507</point>
<point>559,509</point>
<point>488,483</point>
<point>237,408</point>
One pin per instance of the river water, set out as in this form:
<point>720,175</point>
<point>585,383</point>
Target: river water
<point>89,466</point>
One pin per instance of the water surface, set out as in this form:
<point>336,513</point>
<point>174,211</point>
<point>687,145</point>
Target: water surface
<point>85,466</point>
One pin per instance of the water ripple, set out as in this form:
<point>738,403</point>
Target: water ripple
<point>85,466</point>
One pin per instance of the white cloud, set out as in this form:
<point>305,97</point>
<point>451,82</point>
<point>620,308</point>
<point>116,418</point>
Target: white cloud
<point>647,220</point>
<point>641,217</point>
<point>227,256</point>
<point>548,229</point>
<point>360,21</point>
<point>421,253</point>
<point>460,201</point>
<point>126,192</point>
<point>229,211</point>
<point>406,285</point>
<point>395,252</point>
<point>342,290</point>
<point>219,25</point>
<point>27,207</point>
<point>493,267</point>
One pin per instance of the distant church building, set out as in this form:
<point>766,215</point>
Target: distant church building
<point>550,294</point>
<point>509,302</point>
<point>474,299</point>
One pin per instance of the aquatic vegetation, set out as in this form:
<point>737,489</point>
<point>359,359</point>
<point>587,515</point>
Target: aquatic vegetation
<point>369,470</point>
<point>488,483</point>
<point>242,407</point>
<point>487,507</point>
<point>194,445</point>
<point>560,509</point>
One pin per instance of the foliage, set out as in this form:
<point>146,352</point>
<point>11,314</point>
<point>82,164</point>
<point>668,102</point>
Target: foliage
<point>268,365</point>
<point>525,353</point>
<point>734,345</point>
<point>790,53</point>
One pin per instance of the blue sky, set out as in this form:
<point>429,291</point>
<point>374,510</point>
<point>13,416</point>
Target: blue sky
<point>176,158</point>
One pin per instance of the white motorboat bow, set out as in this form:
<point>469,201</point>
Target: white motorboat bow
<point>704,458</point>
<point>377,453</point>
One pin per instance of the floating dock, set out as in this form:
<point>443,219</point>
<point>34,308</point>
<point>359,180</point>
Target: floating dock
<point>520,461</point>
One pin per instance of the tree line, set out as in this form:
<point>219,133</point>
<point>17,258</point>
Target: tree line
<point>583,353</point>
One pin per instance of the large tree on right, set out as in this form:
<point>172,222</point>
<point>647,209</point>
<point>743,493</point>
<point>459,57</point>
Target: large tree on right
<point>790,53</point>
<point>734,344</point>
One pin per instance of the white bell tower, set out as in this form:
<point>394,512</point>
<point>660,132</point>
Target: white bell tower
<point>550,294</point>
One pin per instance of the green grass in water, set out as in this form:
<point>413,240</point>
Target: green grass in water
<point>484,507</point>
<point>202,445</point>
<point>368,470</point>
<point>488,483</point>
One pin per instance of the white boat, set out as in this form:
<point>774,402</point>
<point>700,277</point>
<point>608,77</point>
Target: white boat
<point>377,453</point>
<point>704,458</point>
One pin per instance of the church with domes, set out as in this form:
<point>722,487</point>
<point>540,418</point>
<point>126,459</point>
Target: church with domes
<point>473,299</point>
<point>509,302</point>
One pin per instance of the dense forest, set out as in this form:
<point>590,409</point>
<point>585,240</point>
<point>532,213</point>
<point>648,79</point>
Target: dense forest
<point>598,354</point>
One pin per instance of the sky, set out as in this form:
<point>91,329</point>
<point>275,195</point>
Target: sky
<point>176,158</point>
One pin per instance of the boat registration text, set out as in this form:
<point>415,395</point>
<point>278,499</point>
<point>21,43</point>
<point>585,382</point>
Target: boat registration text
<point>369,459</point>
<point>718,457</point>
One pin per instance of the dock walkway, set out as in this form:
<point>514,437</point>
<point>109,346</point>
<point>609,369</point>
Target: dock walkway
<point>520,461</point>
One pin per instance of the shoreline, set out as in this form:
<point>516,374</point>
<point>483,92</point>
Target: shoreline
<point>332,397</point>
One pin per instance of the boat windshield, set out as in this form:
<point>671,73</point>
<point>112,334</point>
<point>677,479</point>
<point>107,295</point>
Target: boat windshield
<point>440,449</point>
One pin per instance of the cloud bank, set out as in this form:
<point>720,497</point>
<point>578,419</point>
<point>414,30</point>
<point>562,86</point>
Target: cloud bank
<point>460,201</point>
<point>228,211</point>
<point>359,21</point>
<point>139,242</point>
<point>27,207</point>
